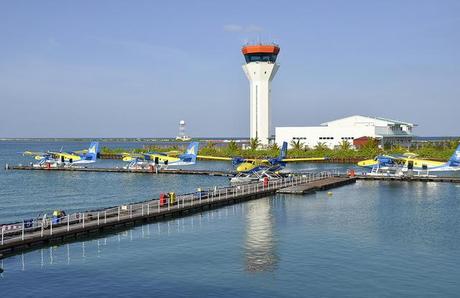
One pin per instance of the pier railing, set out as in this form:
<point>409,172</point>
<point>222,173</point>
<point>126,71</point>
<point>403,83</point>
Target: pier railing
<point>88,220</point>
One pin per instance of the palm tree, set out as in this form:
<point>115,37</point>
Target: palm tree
<point>254,143</point>
<point>344,145</point>
<point>210,145</point>
<point>371,144</point>
<point>274,147</point>
<point>321,146</point>
<point>297,145</point>
<point>232,146</point>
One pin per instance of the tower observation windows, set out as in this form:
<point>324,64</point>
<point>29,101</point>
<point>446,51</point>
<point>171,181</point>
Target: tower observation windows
<point>260,57</point>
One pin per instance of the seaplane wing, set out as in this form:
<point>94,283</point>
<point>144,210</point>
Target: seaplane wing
<point>33,153</point>
<point>302,159</point>
<point>215,158</point>
<point>79,152</point>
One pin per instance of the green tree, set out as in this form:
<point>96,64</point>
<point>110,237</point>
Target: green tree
<point>321,146</point>
<point>297,145</point>
<point>232,146</point>
<point>254,143</point>
<point>345,145</point>
<point>274,147</point>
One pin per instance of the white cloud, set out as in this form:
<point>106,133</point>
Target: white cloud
<point>242,29</point>
<point>233,28</point>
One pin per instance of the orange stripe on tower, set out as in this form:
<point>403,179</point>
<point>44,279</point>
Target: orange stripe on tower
<point>269,49</point>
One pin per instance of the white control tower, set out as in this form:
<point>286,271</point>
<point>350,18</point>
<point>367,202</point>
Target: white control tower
<point>260,68</point>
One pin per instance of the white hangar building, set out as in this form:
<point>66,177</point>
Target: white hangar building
<point>351,128</point>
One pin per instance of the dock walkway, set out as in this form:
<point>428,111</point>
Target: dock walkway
<point>124,170</point>
<point>409,178</point>
<point>41,232</point>
<point>323,184</point>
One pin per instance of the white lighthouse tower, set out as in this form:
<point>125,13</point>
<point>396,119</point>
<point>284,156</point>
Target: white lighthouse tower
<point>182,136</point>
<point>260,68</point>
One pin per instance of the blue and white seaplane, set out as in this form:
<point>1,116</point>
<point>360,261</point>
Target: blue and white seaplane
<point>73,158</point>
<point>160,159</point>
<point>409,165</point>
<point>256,169</point>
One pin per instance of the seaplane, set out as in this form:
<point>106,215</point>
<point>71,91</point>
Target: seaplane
<point>407,164</point>
<point>249,169</point>
<point>55,159</point>
<point>160,159</point>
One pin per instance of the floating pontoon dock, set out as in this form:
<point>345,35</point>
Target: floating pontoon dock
<point>313,186</point>
<point>124,170</point>
<point>25,236</point>
<point>409,178</point>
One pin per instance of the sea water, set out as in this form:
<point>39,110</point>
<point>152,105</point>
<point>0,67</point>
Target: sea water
<point>370,239</point>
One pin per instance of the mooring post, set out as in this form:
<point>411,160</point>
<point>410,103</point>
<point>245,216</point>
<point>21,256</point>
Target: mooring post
<point>148,208</point>
<point>118,213</point>
<point>105,216</point>
<point>130,211</point>
<point>98,218</point>
<point>22,237</point>
<point>142,209</point>
<point>51,227</point>
<point>158,205</point>
<point>68,222</point>
<point>41,231</point>
<point>3,231</point>
<point>83,219</point>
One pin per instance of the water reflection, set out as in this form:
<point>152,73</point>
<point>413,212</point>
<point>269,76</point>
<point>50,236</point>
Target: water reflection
<point>260,245</point>
<point>87,250</point>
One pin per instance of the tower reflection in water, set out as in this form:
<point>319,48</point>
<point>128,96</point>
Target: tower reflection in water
<point>259,244</point>
<point>260,247</point>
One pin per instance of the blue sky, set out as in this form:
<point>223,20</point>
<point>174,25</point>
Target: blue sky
<point>135,68</point>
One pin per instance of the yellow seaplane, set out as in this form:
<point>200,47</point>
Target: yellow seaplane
<point>250,166</point>
<point>173,158</point>
<point>54,158</point>
<point>409,161</point>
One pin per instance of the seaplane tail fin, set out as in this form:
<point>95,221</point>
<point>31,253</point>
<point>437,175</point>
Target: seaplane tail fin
<point>93,150</point>
<point>191,153</point>
<point>454,160</point>
<point>283,151</point>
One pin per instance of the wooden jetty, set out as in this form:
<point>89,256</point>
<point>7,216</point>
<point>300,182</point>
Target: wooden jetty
<point>409,178</point>
<point>314,186</point>
<point>41,232</point>
<point>124,170</point>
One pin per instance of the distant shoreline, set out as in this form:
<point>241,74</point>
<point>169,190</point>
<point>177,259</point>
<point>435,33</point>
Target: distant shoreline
<point>173,139</point>
<point>125,139</point>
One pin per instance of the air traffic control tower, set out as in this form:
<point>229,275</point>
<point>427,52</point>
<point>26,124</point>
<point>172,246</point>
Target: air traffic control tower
<point>260,68</point>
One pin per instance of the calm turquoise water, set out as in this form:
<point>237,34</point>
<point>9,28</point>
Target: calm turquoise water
<point>371,239</point>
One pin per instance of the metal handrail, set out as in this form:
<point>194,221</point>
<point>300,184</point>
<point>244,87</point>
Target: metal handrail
<point>80,220</point>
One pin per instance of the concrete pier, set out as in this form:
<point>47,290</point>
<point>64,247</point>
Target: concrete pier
<point>123,170</point>
<point>409,178</point>
<point>314,186</point>
<point>44,232</point>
